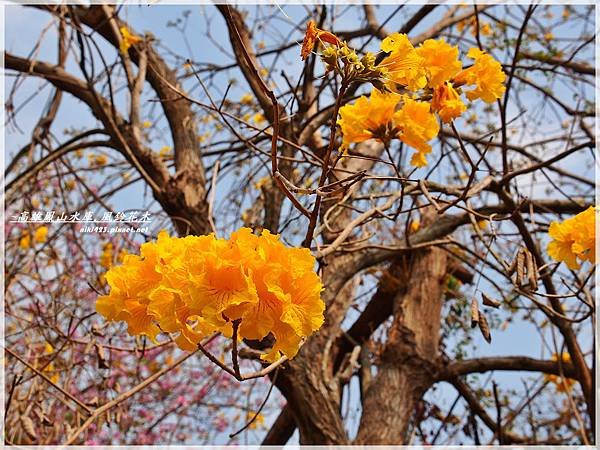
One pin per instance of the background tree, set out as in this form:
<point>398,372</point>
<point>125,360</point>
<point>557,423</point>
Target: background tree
<point>236,130</point>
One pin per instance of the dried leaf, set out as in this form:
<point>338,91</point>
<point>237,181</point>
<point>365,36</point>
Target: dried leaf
<point>474,313</point>
<point>28,427</point>
<point>485,328</point>
<point>487,301</point>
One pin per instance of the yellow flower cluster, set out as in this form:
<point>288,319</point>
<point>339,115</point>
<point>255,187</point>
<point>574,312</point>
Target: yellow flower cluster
<point>376,118</point>
<point>433,76</point>
<point>562,384</point>
<point>574,238</point>
<point>196,285</point>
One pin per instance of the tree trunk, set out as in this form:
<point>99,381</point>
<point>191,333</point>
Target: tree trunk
<point>409,357</point>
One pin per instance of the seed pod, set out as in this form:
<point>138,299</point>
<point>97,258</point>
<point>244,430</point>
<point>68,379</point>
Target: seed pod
<point>28,427</point>
<point>102,364</point>
<point>512,267</point>
<point>474,313</point>
<point>531,272</point>
<point>487,301</point>
<point>521,266</point>
<point>485,328</point>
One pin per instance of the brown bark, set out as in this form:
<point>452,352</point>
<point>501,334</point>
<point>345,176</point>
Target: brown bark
<point>409,357</point>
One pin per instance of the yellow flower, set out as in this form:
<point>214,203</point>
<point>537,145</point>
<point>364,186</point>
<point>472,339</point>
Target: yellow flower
<point>417,126</point>
<point>257,422</point>
<point>460,26</point>
<point>40,234</point>
<point>128,39</point>
<point>203,137</point>
<point>562,384</point>
<point>106,258</point>
<point>486,29</point>
<point>548,36</point>
<point>404,65</point>
<point>121,255</point>
<point>25,241</point>
<point>128,300</point>
<point>585,235</point>
<point>247,99</point>
<point>415,225</point>
<point>146,124</point>
<point>440,60</point>
<point>574,239</point>
<point>196,285</point>
<point>312,35</point>
<point>260,183</point>
<point>48,350</point>
<point>486,73</point>
<point>70,184</point>
<point>165,151</point>
<point>258,118</point>
<point>97,160</point>
<point>288,289</point>
<point>447,103</point>
<point>367,118</point>
<point>561,247</point>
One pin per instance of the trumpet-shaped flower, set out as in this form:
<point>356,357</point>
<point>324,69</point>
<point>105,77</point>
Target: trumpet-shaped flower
<point>440,60</point>
<point>585,235</point>
<point>404,65</point>
<point>574,239</point>
<point>447,103</point>
<point>417,126</point>
<point>367,118</point>
<point>487,76</point>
